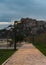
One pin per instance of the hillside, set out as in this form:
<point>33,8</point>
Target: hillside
<point>31,26</point>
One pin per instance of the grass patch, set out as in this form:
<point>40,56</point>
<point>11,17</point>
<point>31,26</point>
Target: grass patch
<point>40,43</point>
<point>5,54</point>
<point>41,47</point>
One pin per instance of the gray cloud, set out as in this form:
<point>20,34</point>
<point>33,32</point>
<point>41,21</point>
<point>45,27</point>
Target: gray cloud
<point>22,8</point>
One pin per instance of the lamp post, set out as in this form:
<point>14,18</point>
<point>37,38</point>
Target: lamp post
<point>32,32</point>
<point>33,38</point>
<point>14,33</point>
<point>14,40</point>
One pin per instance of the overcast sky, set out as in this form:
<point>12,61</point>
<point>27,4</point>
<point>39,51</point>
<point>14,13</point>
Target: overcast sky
<point>16,9</point>
<point>5,24</point>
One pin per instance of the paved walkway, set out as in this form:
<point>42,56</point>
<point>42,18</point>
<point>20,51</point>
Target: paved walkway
<point>26,55</point>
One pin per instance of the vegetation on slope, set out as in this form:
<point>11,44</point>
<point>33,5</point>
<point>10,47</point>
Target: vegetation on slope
<point>40,42</point>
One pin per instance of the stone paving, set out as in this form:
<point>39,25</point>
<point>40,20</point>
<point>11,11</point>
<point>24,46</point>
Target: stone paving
<point>26,55</point>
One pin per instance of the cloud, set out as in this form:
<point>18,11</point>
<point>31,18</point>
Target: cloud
<point>6,23</point>
<point>16,9</point>
<point>3,23</point>
<point>22,8</point>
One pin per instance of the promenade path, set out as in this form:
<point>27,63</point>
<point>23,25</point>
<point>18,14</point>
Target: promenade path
<point>26,55</point>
